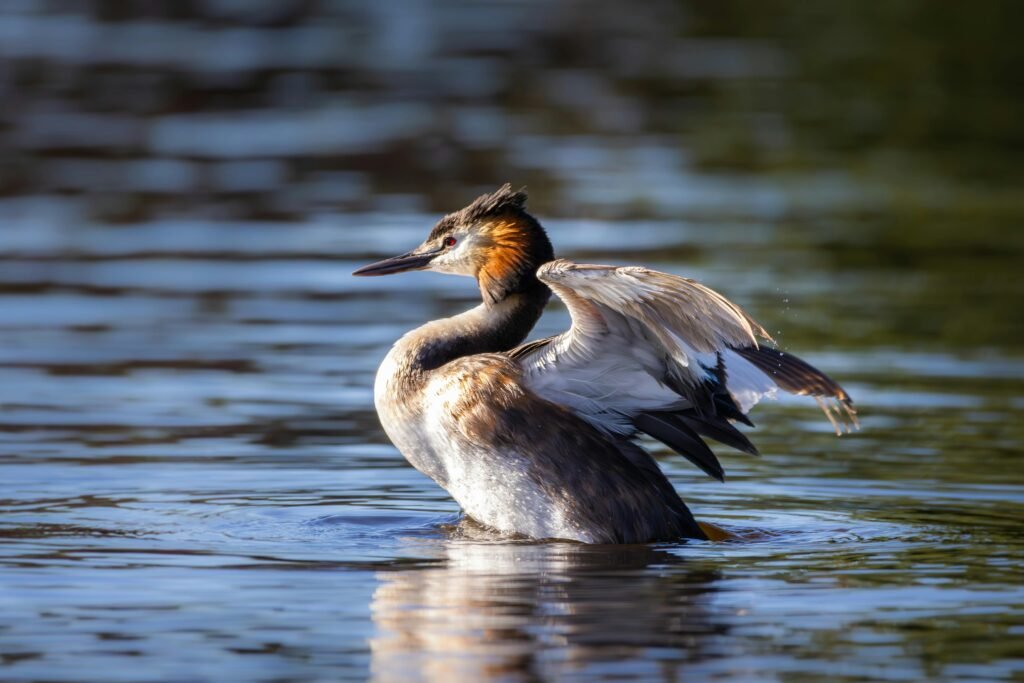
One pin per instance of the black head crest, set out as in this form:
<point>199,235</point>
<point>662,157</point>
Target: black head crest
<point>502,201</point>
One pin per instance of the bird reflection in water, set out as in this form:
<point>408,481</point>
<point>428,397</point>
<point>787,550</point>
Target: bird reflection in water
<point>520,612</point>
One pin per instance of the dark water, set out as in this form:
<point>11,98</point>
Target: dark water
<point>195,486</point>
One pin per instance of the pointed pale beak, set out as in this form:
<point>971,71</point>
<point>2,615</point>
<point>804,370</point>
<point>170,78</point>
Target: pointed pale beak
<point>414,260</point>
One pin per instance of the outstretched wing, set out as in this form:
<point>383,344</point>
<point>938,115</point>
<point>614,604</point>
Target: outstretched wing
<point>664,355</point>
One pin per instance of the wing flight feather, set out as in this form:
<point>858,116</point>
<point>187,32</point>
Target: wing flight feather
<point>664,355</point>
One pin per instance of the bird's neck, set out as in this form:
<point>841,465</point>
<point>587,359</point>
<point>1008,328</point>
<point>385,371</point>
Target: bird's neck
<point>489,328</point>
<point>513,299</point>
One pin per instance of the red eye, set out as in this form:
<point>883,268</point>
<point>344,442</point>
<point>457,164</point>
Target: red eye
<point>450,241</point>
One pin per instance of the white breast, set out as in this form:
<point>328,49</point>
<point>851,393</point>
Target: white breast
<point>402,418</point>
<point>493,487</point>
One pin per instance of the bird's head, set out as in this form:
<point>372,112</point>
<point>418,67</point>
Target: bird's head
<point>493,240</point>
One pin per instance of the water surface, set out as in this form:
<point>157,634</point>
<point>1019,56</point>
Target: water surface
<point>192,464</point>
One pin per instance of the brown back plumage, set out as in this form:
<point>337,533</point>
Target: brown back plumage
<point>614,492</point>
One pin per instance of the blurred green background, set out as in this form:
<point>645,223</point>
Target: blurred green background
<point>264,108</point>
<point>900,120</point>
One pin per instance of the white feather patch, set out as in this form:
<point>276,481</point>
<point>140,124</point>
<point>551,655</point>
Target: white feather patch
<point>745,382</point>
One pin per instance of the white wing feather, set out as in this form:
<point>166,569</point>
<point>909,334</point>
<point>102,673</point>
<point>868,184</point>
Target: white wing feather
<point>641,340</point>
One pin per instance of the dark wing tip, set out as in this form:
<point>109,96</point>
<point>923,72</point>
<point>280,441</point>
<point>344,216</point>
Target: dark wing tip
<point>794,374</point>
<point>674,433</point>
<point>797,376</point>
<point>721,430</point>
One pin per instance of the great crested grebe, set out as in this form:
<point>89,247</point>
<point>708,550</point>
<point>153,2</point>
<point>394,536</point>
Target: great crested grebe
<point>537,440</point>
